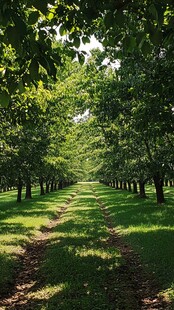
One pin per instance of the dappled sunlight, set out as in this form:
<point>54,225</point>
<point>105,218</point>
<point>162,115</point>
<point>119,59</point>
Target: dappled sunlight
<point>46,292</point>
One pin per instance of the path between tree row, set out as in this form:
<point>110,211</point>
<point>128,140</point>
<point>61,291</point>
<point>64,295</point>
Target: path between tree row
<point>140,291</point>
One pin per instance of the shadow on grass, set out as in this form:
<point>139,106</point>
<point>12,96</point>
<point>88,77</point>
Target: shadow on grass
<point>18,222</point>
<point>81,274</point>
<point>148,227</point>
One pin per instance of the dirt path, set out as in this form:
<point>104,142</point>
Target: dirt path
<point>139,285</point>
<point>30,260</point>
<point>134,281</point>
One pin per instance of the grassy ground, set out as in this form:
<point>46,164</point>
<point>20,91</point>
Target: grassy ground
<point>148,227</point>
<point>21,221</point>
<point>80,270</point>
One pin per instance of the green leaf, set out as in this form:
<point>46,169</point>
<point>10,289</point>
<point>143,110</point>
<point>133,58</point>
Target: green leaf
<point>108,20</point>
<point>146,48</point>
<point>156,38</point>
<point>76,42</point>
<point>81,58</point>
<point>33,18</point>
<point>4,99</point>
<point>21,87</point>
<point>153,11</point>
<point>12,35</point>
<point>85,40</point>
<point>140,38</point>
<point>20,25</point>
<point>41,6</point>
<point>62,30</point>
<point>120,18</point>
<point>2,71</point>
<point>129,43</point>
<point>34,68</point>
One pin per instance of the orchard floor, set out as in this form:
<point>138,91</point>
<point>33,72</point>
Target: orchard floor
<point>80,261</point>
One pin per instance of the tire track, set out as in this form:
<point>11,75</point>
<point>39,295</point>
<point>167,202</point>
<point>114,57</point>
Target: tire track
<point>142,289</point>
<point>30,259</point>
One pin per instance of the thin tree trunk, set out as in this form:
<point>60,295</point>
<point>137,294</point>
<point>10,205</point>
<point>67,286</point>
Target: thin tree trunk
<point>60,186</point>
<point>129,186</point>
<point>41,182</point>
<point>142,189</point>
<point>116,184</point>
<point>55,186</point>
<point>121,185</point>
<point>52,186</point>
<point>159,189</point>
<point>166,182</point>
<point>135,189</point>
<point>19,188</point>
<point>47,187</point>
<point>28,190</point>
<point>125,185</point>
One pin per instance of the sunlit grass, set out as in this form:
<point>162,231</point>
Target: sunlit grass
<point>19,222</point>
<point>79,259</point>
<point>148,227</point>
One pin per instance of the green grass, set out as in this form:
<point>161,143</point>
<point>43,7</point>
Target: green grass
<point>80,269</point>
<point>19,222</point>
<point>148,227</point>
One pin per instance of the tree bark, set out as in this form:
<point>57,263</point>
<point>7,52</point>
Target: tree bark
<point>41,182</point>
<point>47,187</point>
<point>129,186</point>
<point>135,189</point>
<point>166,182</point>
<point>60,186</point>
<point>52,186</point>
<point>142,189</point>
<point>159,189</point>
<point>121,185</point>
<point>55,186</point>
<point>116,184</point>
<point>125,185</point>
<point>19,188</point>
<point>28,190</point>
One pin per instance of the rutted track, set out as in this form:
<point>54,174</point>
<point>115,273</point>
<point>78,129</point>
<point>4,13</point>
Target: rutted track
<point>140,286</point>
<point>140,292</point>
<point>30,259</point>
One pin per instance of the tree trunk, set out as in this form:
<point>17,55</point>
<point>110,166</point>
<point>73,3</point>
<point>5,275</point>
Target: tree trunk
<point>113,183</point>
<point>166,182</point>
<point>125,185</point>
<point>55,186</point>
<point>60,186</point>
<point>52,186</point>
<point>28,190</point>
<point>159,188</point>
<point>142,189</point>
<point>171,183</point>
<point>19,188</point>
<point>129,186</point>
<point>116,184</point>
<point>47,187</point>
<point>41,182</point>
<point>121,185</point>
<point>135,189</point>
